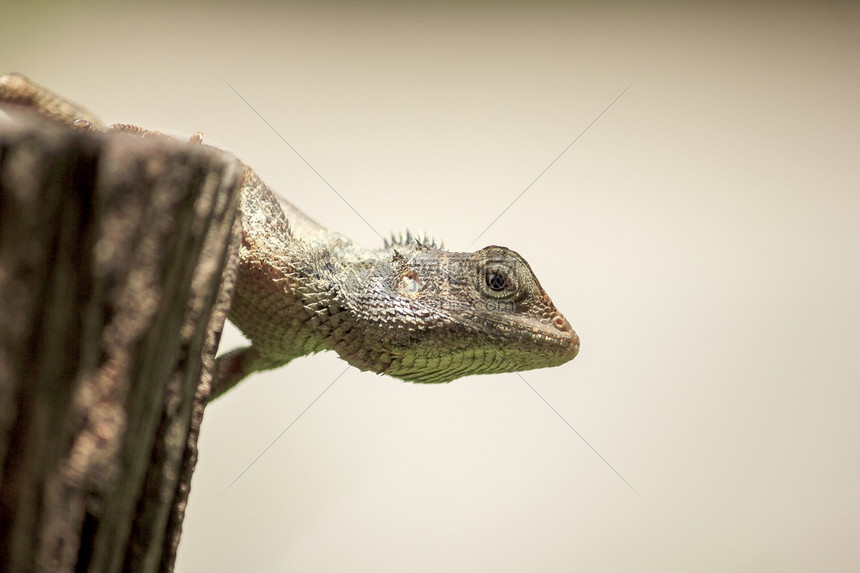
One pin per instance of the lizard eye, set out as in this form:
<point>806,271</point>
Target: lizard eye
<point>498,280</point>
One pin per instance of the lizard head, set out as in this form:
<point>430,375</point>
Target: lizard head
<point>447,315</point>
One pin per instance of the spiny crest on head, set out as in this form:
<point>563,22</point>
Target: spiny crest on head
<point>419,239</point>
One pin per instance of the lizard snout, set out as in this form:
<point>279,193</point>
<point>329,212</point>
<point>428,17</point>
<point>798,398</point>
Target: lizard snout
<point>568,334</point>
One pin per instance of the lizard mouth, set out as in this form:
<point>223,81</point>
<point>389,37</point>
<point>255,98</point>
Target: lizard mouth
<point>568,336</point>
<point>560,347</point>
<point>573,348</point>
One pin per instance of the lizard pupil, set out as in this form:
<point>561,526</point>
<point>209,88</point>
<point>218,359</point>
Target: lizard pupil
<point>496,281</point>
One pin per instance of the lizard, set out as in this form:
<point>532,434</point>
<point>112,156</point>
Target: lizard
<point>409,309</point>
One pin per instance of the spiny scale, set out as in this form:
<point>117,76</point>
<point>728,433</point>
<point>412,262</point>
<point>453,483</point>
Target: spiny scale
<point>408,239</point>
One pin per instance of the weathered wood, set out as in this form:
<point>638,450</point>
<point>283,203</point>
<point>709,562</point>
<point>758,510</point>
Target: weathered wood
<point>111,253</point>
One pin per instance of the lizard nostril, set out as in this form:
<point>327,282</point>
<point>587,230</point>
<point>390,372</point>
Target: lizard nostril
<point>561,323</point>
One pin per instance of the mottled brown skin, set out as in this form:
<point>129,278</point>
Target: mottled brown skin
<point>410,309</point>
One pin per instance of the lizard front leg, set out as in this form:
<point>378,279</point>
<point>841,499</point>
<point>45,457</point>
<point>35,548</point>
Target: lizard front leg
<point>232,367</point>
<point>19,91</point>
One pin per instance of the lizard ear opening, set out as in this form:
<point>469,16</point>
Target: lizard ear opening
<point>408,284</point>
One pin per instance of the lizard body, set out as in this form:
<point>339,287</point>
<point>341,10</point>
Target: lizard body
<point>409,309</point>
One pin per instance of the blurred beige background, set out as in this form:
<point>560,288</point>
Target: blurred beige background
<point>702,237</point>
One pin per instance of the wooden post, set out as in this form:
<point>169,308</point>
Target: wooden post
<point>112,250</point>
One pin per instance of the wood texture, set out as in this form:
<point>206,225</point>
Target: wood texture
<point>112,250</point>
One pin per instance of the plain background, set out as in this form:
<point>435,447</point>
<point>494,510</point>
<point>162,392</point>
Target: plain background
<point>702,237</point>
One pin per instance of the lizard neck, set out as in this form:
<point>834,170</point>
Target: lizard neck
<point>293,277</point>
